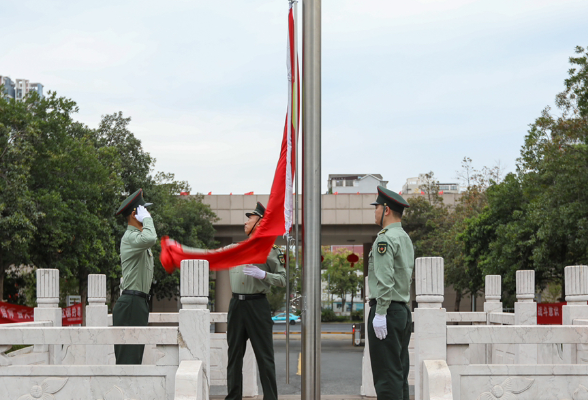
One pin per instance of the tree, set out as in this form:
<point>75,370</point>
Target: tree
<point>538,218</point>
<point>18,211</point>
<point>342,278</point>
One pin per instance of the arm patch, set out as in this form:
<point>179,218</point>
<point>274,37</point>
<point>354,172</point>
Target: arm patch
<point>281,259</point>
<point>382,247</point>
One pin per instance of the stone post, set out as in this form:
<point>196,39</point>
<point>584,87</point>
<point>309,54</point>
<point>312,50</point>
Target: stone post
<point>576,279</point>
<point>493,294</point>
<point>48,308</point>
<point>526,314</point>
<point>194,317</point>
<point>430,320</point>
<point>367,378</point>
<point>97,315</point>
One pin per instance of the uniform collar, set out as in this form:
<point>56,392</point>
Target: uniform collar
<point>394,225</point>
<point>133,228</point>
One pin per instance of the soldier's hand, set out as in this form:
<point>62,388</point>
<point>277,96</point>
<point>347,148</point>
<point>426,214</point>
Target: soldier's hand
<point>380,327</point>
<point>252,270</point>
<point>142,213</point>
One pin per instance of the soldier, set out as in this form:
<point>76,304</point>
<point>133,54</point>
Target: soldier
<point>391,262</point>
<point>132,307</point>
<point>250,316</point>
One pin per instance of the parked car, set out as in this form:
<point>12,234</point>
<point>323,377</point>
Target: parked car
<point>281,318</point>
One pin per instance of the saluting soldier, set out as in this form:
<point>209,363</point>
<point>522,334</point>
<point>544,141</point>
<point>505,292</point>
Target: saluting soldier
<point>250,316</point>
<point>391,262</point>
<point>132,307</point>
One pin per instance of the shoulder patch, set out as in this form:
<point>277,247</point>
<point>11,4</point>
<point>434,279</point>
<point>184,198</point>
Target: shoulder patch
<point>281,259</point>
<point>383,231</point>
<point>382,247</point>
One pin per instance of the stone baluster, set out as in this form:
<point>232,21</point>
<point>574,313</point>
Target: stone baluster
<point>576,280</point>
<point>430,320</point>
<point>493,294</point>
<point>526,314</point>
<point>97,315</point>
<point>194,317</point>
<point>367,379</point>
<point>48,308</point>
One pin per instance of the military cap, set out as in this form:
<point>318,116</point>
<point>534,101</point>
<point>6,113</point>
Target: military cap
<point>391,199</point>
<point>131,203</point>
<point>259,210</point>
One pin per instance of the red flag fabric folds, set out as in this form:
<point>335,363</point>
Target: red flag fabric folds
<point>277,219</point>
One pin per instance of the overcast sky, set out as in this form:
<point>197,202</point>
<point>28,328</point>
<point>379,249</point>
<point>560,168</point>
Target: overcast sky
<point>407,86</point>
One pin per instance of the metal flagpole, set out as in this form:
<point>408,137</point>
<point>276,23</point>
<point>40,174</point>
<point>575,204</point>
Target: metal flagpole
<point>311,201</point>
<point>296,191</point>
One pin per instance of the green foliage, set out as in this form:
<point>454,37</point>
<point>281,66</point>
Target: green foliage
<point>357,315</point>
<point>538,218</point>
<point>60,183</point>
<point>341,278</point>
<point>328,315</point>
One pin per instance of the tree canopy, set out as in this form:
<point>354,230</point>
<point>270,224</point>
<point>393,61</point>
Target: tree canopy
<point>61,182</point>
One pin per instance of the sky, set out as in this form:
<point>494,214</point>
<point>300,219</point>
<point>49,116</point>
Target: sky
<point>408,87</point>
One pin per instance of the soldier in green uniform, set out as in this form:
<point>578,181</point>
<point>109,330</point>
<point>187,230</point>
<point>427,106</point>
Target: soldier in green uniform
<point>250,316</point>
<point>132,307</point>
<point>391,262</point>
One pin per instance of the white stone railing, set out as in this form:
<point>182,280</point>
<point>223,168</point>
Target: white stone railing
<point>90,348</point>
<point>546,361</point>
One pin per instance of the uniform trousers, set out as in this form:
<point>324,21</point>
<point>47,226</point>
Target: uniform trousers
<point>389,357</point>
<point>250,319</point>
<point>130,311</point>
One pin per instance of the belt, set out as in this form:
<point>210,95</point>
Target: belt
<point>136,293</point>
<point>373,302</point>
<point>248,296</point>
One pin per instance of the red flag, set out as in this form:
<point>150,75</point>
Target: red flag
<point>277,219</point>
<point>249,194</point>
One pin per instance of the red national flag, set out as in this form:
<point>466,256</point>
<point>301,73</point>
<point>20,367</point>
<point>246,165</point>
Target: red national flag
<point>249,194</point>
<point>277,219</point>
<point>209,193</point>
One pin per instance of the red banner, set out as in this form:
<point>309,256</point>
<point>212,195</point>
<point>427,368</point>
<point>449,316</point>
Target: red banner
<point>549,313</point>
<point>71,315</point>
<point>12,313</point>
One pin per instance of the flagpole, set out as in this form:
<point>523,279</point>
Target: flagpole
<point>296,191</point>
<point>311,202</point>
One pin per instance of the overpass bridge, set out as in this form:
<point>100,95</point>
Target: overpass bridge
<point>346,219</point>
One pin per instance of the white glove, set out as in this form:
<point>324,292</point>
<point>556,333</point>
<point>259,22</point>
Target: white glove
<point>142,213</point>
<point>380,327</point>
<point>254,271</point>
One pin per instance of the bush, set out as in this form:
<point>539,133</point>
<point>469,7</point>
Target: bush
<point>357,315</point>
<point>328,315</point>
<point>341,318</point>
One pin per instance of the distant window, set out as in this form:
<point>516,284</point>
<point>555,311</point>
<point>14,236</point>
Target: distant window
<point>338,183</point>
<point>348,183</point>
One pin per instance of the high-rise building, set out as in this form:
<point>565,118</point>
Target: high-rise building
<point>19,88</point>
<point>8,90</point>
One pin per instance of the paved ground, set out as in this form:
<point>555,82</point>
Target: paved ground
<point>340,367</point>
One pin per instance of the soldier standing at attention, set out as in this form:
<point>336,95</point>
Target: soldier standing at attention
<point>250,316</point>
<point>132,307</point>
<point>391,262</point>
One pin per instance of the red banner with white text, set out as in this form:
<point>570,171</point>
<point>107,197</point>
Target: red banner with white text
<point>12,313</point>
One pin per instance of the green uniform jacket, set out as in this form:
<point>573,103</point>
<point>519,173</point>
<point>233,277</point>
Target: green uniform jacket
<point>136,256</point>
<point>275,275</point>
<point>391,262</point>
